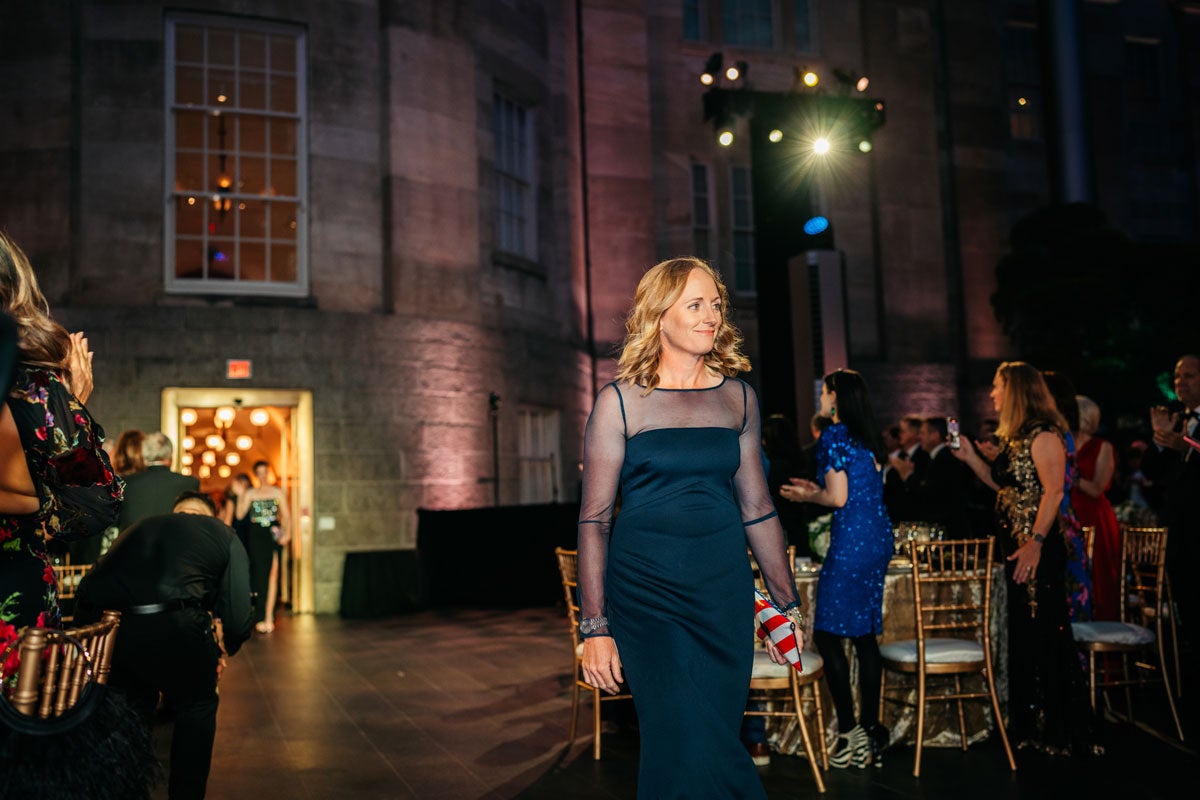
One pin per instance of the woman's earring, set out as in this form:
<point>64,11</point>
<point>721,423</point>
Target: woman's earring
<point>833,411</point>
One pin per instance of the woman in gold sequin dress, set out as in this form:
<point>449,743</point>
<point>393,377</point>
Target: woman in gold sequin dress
<point>1048,705</point>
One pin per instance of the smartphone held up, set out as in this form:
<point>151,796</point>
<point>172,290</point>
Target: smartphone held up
<point>952,437</point>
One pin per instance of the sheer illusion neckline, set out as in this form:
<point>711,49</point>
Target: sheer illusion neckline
<point>700,389</point>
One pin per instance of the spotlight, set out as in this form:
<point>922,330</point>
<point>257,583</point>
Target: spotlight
<point>815,225</point>
<point>810,78</point>
<point>865,145</point>
<point>775,135</point>
<point>863,83</point>
<point>712,68</point>
<point>725,137</point>
<point>820,145</point>
<point>736,71</point>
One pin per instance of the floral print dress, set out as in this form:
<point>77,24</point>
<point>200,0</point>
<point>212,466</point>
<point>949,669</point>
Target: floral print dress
<point>78,491</point>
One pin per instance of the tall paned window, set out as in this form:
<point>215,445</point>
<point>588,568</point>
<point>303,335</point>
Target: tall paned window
<point>742,205</point>
<point>702,233</point>
<point>236,158</point>
<point>516,211</point>
<point>802,26</point>
<point>695,20</point>
<point>748,23</point>
<point>537,455</point>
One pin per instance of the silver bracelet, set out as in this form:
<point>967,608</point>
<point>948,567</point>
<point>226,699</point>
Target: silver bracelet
<point>592,624</point>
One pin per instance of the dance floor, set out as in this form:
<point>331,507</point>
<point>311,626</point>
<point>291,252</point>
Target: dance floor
<point>476,704</point>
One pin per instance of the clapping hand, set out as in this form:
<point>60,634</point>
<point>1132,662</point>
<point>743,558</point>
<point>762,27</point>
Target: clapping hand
<point>798,490</point>
<point>1163,422</point>
<point>79,363</point>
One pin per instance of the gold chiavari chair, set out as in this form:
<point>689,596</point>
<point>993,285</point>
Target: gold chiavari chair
<point>1128,653</point>
<point>568,569</point>
<point>952,593</point>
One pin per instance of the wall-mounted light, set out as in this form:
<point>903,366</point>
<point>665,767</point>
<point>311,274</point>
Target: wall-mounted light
<point>259,417</point>
<point>244,442</point>
<point>209,458</point>
<point>233,459</point>
<point>188,416</point>
<point>188,442</point>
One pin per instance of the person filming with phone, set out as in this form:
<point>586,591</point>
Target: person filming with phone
<point>1174,464</point>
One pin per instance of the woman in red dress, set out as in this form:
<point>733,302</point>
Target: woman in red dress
<point>1097,462</point>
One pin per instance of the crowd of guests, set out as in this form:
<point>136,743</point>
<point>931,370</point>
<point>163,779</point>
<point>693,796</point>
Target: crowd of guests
<point>180,577</point>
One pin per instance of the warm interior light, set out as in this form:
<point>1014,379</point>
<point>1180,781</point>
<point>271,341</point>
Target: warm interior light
<point>186,459</point>
<point>1021,101</point>
<point>865,145</point>
<point>205,471</point>
<point>732,73</point>
<point>707,79</point>
<point>188,442</point>
<point>208,457</point>
<point>863,83</point>
<point>185,470</point>
<point>259,417</point>
<point>244,442</point>
<point>214,441</point>
<point>188,416</point>
<point>233,459</point>
<point>224,471</point>
<point>811,78</point>
<point>775,135</point>
<point>725,138</point>
<point>225,414</point>
<point>821,145</point>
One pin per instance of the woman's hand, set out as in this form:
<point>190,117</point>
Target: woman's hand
<point>602,664</point>
<point>798,490</point>
<point>1027,557</point>
<point>79,363</point>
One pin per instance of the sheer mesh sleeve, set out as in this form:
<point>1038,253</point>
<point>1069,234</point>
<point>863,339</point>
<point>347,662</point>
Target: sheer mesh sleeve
<point>80,493</point>
<point>603,456</point>
<point>764,532</point>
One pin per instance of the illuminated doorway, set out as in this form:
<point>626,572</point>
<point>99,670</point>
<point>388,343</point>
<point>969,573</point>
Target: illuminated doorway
<point>220,432</point>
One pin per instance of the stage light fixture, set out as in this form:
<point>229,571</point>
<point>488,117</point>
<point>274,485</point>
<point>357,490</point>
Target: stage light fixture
<point>712,68</point>
<point>865,146</point>
<point>820,145</point>
<point>725,138</point>
<point>775,135</point>
<point>810,78</point>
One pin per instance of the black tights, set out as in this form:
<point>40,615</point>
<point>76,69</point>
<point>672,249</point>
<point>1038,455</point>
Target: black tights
<point>837,675</point>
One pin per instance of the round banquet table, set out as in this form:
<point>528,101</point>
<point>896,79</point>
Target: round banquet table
<point>941,718</point>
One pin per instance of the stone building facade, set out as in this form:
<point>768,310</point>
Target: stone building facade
<point>477,186</point>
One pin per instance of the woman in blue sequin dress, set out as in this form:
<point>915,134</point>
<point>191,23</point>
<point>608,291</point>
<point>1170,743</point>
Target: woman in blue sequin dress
<point>850,453</point>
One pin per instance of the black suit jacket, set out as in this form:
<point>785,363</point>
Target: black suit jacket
<point>1178,475</point>
<point>943,490</point>
<point>151,492</point>
<point>901,495</point>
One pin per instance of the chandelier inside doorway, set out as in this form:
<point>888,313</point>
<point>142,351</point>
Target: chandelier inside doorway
<point>218,443</point>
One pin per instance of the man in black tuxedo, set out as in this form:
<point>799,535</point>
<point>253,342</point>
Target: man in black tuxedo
<point>153,490</point>
<point>944,486</point>
<point>902,474</point>
<point>1174,465</point>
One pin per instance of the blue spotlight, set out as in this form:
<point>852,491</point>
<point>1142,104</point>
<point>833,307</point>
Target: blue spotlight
<point>816,225</point>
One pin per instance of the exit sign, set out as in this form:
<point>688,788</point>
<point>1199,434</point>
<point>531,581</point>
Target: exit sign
<point>238,368</point>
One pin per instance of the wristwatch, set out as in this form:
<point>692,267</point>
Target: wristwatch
<point>592,624</point>
<point>1039,537</point>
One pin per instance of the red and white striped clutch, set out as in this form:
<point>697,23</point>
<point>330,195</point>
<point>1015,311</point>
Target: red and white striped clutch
<point>774,624</point>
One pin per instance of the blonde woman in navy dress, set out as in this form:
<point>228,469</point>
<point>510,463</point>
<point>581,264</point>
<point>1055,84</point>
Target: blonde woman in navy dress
<point>665,585</point>
<point>850,455</point>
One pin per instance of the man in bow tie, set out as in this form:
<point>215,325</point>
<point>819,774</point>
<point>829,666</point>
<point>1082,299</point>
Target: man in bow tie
<point>1174,464</point>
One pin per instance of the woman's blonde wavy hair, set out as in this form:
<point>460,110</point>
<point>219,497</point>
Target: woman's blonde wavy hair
<point>41,342</point>
<point>657,291</point>
<point>1026,399</point>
